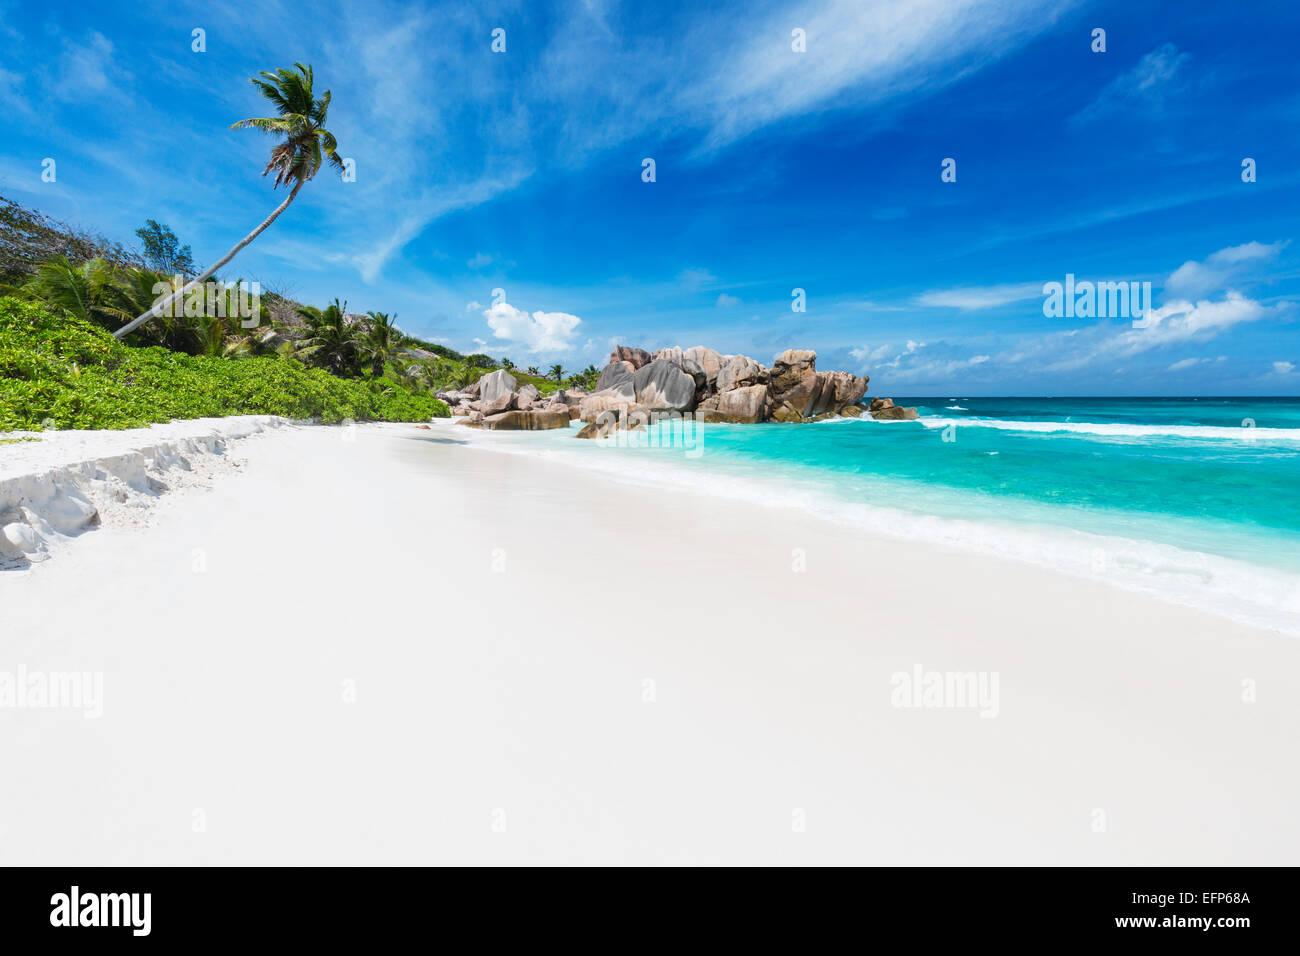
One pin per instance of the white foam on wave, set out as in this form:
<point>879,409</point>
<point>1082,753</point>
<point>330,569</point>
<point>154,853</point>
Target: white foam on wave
<point>1124,430</point>
<point>1240,591</point>
<point>957,408</point>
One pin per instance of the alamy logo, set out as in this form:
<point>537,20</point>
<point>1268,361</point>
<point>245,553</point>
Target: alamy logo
<point>102,909</point>
<point>946,690</point>
<point>1099,300</point>
<point>212,299</point>
<point>53,690</point>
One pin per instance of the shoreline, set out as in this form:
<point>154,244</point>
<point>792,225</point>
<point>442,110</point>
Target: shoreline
<point>616,675</point>
<point>1180,576</point>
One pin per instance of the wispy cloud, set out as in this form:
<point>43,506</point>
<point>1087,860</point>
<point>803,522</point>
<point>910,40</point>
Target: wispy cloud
<point>981,297</point>
<point>1145,88</point>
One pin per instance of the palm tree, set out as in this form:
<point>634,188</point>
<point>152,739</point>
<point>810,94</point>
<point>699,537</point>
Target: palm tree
<point>380,341</point>
<point>507,364</point>
<point>306,145</point>
<point>87,291</point>
<point>331,342</point>
<point>556,372</point>
<point>532,370</point>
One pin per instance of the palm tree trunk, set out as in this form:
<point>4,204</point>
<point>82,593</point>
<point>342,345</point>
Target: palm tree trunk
<point>159,308</point>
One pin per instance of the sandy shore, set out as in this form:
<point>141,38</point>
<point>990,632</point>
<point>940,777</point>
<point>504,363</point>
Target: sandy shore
<point>402,648</point>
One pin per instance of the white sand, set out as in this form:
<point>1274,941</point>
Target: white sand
<point>498,618</point>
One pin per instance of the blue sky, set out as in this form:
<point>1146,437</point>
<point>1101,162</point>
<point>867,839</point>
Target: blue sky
<point>775,170</point>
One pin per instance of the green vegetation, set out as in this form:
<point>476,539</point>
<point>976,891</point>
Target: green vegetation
<point>97,335</point>
<point>67,371</point>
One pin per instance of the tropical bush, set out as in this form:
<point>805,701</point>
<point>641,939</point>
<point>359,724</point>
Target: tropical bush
<point>66,371</point>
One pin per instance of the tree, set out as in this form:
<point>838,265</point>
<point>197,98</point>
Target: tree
<point>331,342</point>
<point>479,360</point>
<point>556,372</point>
<point>532,370</point>
<point>508,365</point>
<point>296,159</point>
<point>163,251</point>
<point>380,341</point>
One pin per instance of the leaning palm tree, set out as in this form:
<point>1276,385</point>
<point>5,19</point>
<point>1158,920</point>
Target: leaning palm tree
<point>380,341</point>
<point>556,372</point>
<point>306,145</point>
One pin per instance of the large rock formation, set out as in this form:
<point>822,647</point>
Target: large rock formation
<point>637,358</point>
<point>801,393</point>
<point>526,421</point>
<point>495,384</point>
<point>747,404</point>
<point>708,360</point>
<point>613,373</point>
<point>739,371</point>
<point>664,385</point>
<point>636,389</point>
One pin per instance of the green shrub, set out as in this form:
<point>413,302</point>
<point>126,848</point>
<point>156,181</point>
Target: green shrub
<point>76,374</point>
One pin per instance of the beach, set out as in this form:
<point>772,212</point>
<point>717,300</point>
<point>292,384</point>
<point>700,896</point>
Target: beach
<point>385,644</point>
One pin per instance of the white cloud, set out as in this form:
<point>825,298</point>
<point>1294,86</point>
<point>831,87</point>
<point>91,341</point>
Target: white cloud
<point>1184,364</point>
<point>981,297</point>
<point>479,260</point>
<point>538,332</point>
<point>1145,86</point>
<point>727,301</point>
<point>696,279</point>
<point>1283,368</point>
<point>1193,279</point>
<point>474,306</point>
<point>857,53</point>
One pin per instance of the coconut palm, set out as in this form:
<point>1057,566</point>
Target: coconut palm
<point>296,159</point>
<point>532,370</point>
<point>556,372</point>
<point>331,342</point>
<point>379,341</point>
<point>88,291</point>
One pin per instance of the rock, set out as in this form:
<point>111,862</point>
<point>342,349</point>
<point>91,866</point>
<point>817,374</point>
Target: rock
<point>592,430</point>
<point>425,427</point>
<point>672,354</point>
<point>19,535</point>
<point>747,405</point>
<point>663,385</point>
<point>740,371</point>
<point>503,402</point>
<point>572,396</point>
<point>575,412</point>
<point>800,392</point>
<point>528,393</point>
<point>878,403</point>
<point>637,358</point>
<point>494,384</point>
<point>853,411</point>
<point>459,410</point>
<point>472,391</point>
<point>620,396</point>
<point>895,413</point>
<point>707,359</point>
<point>526,421</point>
<point>793,381</point>
<point>614,373</point>
<point>692,368</point>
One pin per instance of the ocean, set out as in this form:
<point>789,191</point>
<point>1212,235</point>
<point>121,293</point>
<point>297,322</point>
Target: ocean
<point>1194,500</point>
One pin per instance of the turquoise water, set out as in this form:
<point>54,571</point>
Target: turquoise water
<point>1194,500</point>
